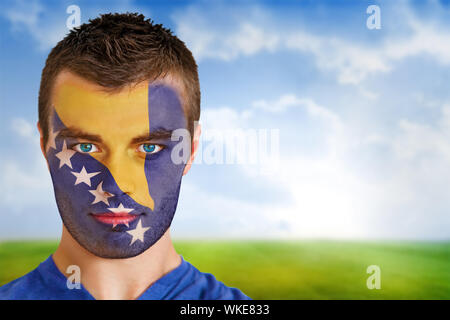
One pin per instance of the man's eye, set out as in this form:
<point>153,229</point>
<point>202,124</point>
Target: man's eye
<point>85,147</point>
<point>150,148</point>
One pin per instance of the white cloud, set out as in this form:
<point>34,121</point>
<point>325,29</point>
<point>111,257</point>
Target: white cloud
<point>25,184</point>
<point>338,194</point>
<point>23,128</point>
<point>249,39</point>
<point>417,139</point>
<point>322,190</point>
<point>223,118</point>
<point>290,100</point>
<point>352,61</point>
<point>30,17</point>
<point>425,38</point>
<point>205,42</point>
<point>214,215</point>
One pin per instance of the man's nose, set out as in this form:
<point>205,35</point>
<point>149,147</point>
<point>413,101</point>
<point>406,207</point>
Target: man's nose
<point>129,175</point>
<point>120,170</point>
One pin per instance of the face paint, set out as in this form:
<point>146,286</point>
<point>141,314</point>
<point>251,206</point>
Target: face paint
<point>109,156</point>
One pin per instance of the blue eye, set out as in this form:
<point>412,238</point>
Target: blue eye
<point>150,148</point>
<point>85,147</point>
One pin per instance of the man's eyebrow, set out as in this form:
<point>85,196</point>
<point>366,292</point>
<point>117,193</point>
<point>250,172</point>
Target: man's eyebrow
<point>79,134</point>
<point>160,134</point>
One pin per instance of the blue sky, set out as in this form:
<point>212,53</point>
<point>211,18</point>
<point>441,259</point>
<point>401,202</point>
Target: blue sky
<point>363,116</point>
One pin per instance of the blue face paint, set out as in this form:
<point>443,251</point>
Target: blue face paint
<point>87,194</point>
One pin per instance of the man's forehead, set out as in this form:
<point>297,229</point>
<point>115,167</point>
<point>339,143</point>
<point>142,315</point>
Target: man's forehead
<point>68,80</point>
<point>83,103</point>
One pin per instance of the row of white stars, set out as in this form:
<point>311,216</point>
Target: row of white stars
<point>100,195</point>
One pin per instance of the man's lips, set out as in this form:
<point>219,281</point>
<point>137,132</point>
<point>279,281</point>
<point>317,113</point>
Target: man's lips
<point>114,218</point>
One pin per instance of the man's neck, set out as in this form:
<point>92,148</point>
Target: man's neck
<point>117,278</point>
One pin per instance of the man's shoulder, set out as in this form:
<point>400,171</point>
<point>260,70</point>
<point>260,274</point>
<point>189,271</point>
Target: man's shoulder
<point>197,285</point>
<point>25,287</point>
<point>43,283</point>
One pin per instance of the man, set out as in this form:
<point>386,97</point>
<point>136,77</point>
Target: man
<point>117,105</point>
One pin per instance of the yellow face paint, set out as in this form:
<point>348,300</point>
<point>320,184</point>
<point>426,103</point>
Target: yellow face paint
<point>116,118</point>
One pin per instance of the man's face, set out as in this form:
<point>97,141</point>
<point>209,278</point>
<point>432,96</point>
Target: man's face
<point>110,160</point>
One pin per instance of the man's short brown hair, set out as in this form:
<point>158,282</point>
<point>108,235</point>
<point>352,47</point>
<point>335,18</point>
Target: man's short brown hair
<point>116,50</point>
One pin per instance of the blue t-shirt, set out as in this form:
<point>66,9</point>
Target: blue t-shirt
<point>185,282</point>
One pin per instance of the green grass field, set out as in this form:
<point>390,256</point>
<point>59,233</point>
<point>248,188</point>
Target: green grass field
<point>293,269</point>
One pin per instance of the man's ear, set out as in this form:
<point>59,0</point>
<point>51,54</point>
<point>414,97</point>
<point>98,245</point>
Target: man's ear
<point>41,139</point>
<point>194,148</point>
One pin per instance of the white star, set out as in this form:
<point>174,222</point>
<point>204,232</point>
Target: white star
<point>64,156</point>
<point>84,176</point>
<point>138,233</point>
<point>100,194</point>
<point>120,208</point>
<point>51,140</point>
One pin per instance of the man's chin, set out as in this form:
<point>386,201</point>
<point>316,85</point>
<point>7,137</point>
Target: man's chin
<point>114,244</point>
<point>117,255</point>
